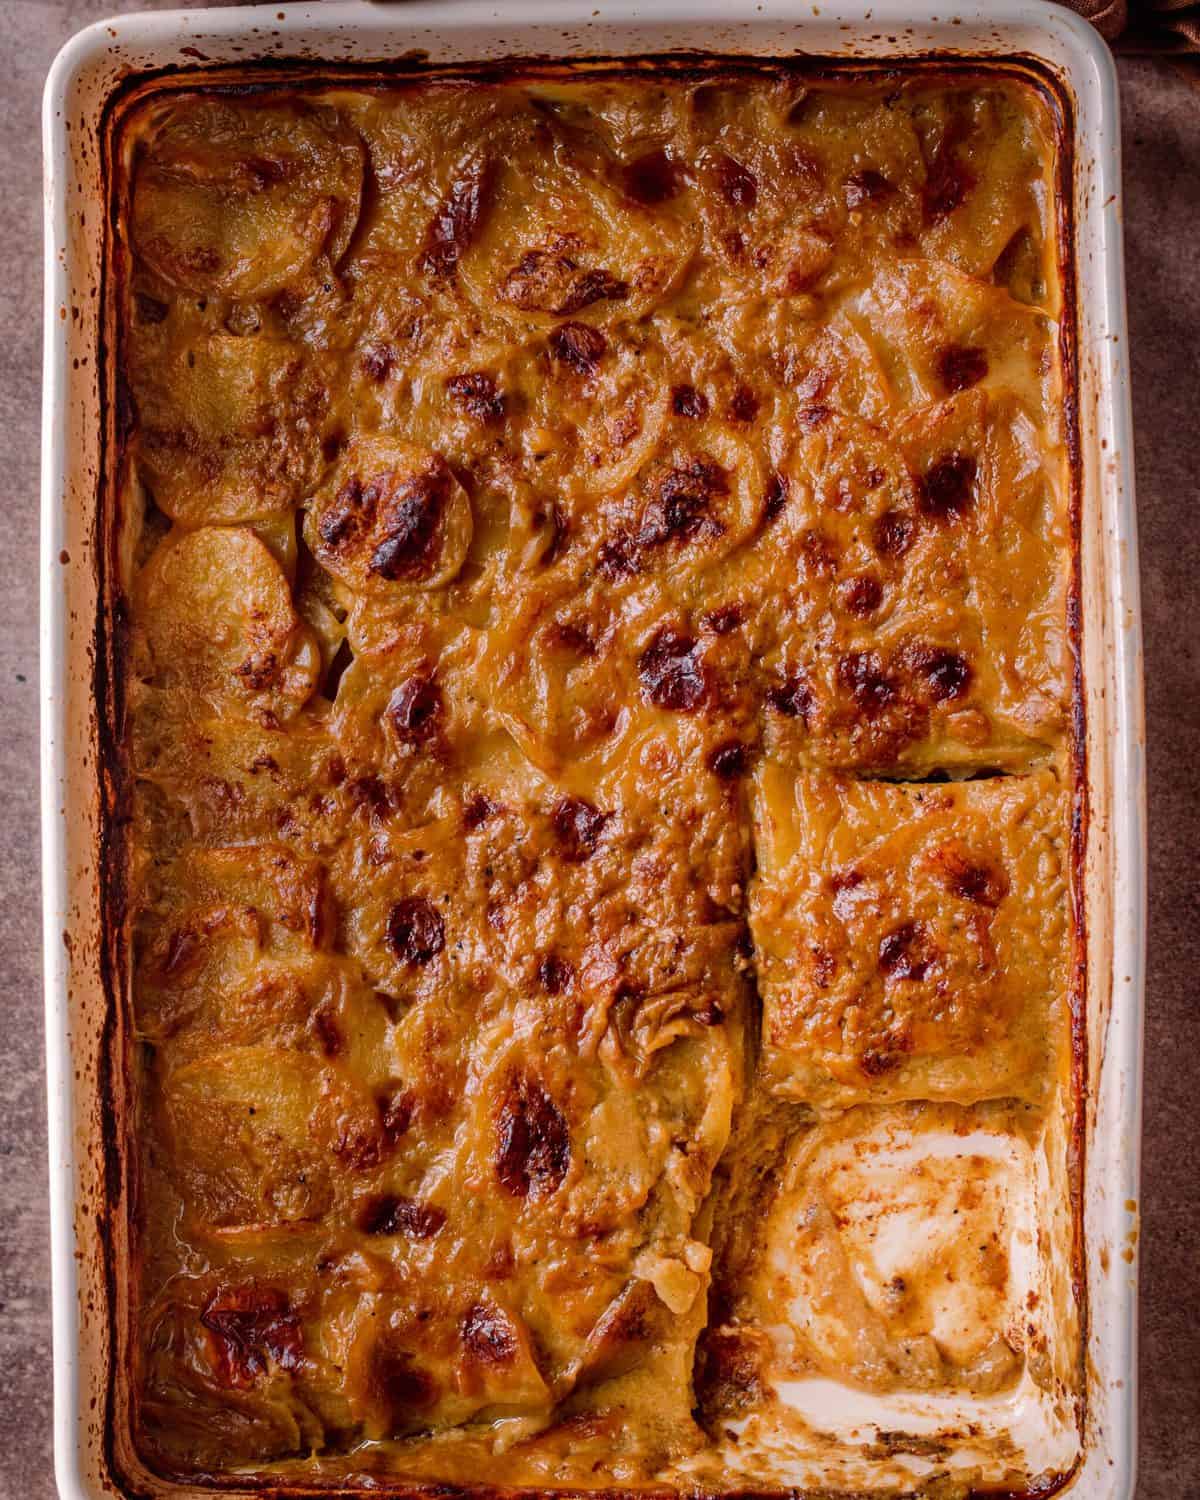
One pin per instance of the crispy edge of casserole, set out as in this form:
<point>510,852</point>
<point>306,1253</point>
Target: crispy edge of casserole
<point>114,544</point>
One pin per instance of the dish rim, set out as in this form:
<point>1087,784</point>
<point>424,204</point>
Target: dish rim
<point>1099,304</point>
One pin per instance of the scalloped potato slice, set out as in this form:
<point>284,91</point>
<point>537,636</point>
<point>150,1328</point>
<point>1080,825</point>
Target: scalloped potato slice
<point>765,217</point>
<point>186,971</point>
<point>207,983</point>
<point>599,406</point>
<point>426,165</point>
<point>235,778</point>
<point>550,682</point>
<point>438,1362</point>
<point>391,515</point>
<point>229,427</point>
<point>241,199</point>
<point>939,331</point>
<point>987,179</point>
<point>560,241</point>
<point>244,1131</point>
<point>845,467</point>
<point>698,497</point>
<point>794,184</point>
<point>217,618</point>
<point>402,922</point>
<point>265,1136</point>
<point>222,1366</point>
<point>283,889</point>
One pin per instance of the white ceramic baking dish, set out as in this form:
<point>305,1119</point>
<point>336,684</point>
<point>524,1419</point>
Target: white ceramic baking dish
<point>86,1174</point>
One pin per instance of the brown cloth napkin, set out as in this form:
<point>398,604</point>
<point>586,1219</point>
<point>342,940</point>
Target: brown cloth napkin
<point>1144,25</point>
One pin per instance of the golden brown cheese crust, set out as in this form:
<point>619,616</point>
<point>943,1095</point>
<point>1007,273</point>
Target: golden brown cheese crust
<point>525,466</point>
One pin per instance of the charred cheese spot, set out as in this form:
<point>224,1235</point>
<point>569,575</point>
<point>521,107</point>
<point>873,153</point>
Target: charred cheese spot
<point>793,698</point>
<point>390,514</point>
<point>395,1214</point>
<point>252,1329</point>
<point>477,811</point>
<point>860,596</point>
<point>946,488</point>
<point>579,346</point>
<point>743,405</point>
<point>554,974</point>
<point>413,511</point>
<point>981,883</point>
<point>415,710</point>
<point>672,673</point>
<point>739,186</point>
<point>578,826</point>
<point>652,178</point>
<point>866,186</point>
<point>488,1335</point>
<point>687,401</point>
<point>901,952</point>
<point>329,1032</point>
<point>402,1385</point>
<point>459,215</point>
<point>552,279</point>
<point>680,504</point>
<point>723,620</point>
<point>397,1109</point>
<point>416,933</point>
<point>533,1142</point>
<point>776,497</point>
<point>728,761</point>
<point>960,367</point>
<point>946,674</point>
<point>893,533</point>
<point>864,676</point>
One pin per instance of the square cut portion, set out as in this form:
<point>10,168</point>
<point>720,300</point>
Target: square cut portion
<point>911,940</point>
<point>905,597</point>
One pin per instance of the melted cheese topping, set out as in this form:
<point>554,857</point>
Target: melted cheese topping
<point>911,940</point>
<point>556,497</point>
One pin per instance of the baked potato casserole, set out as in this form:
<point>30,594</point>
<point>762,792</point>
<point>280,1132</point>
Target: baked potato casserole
<point>600,723</point>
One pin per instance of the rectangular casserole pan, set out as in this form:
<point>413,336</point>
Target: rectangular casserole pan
<point>82,961</point>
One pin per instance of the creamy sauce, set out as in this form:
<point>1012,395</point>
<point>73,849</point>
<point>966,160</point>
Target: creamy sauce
<point>572,512</point>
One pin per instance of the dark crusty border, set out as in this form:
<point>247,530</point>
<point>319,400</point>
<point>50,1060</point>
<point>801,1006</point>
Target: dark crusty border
<point>117,1221</point>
